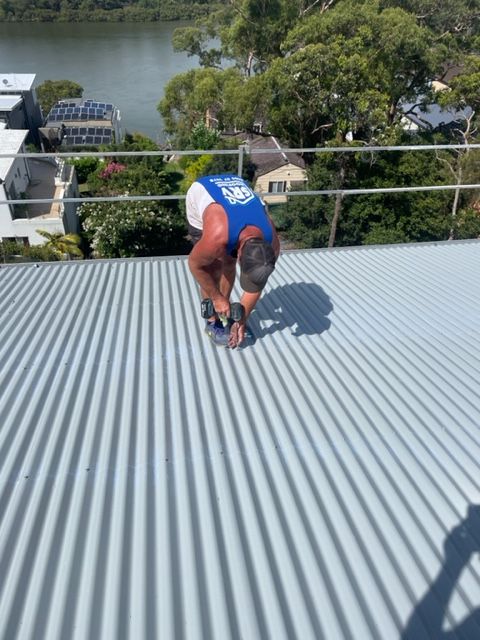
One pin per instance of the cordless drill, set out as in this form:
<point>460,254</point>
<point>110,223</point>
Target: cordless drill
<point>237,311</point>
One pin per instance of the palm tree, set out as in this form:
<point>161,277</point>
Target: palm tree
<point>62,244</point>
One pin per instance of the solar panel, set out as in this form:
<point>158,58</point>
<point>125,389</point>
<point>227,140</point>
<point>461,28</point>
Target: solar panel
<point>102,105</point>
<point>74,131</point>
<point>69,110</point>
<point>98,139</point>
<point>67,116</point>
<point>91,131</point>
<point>82,131</point>
<point>105,139</point>
<point>89,139</point>
<point>69,140</point>
<point>84,116</point>
<point>107,132</point>
<point>78,140</point>
<point>62,111</point>
<point>72,104</point>
<point>109,107</point>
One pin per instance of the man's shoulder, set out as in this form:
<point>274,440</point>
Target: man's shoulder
<point>214,217</point>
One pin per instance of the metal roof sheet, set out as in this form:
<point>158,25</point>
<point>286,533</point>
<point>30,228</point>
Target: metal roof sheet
<point>322,482</point>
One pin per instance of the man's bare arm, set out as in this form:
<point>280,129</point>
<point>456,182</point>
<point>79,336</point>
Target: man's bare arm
<point>206,258</point>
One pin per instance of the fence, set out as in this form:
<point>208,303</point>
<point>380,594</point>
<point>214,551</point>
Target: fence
<point>242,152</point>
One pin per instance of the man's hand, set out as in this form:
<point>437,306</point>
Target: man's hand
<point>221,305</point>
<point>237,334</point>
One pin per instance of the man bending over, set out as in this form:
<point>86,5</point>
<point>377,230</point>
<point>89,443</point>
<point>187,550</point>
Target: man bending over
<point>228,222</point>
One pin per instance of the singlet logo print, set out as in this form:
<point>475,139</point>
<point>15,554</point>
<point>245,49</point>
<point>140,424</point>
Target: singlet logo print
<point>238,195</point>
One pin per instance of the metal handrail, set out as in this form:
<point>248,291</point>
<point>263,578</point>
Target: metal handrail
<point>241,151</point>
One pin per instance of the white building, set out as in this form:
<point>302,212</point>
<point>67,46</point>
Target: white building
<point>40,178</point>
<point>19,107</point>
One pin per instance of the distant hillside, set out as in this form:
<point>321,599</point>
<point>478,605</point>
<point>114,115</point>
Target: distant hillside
<point>102,10</point>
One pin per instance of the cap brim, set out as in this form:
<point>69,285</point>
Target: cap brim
<point>254,286</point>
<point>249,286</point>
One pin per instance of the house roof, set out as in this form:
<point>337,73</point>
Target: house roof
<point>266,162</point>
<point>9,102</point>
<point>13,82</point>
<point>11,141</point>
<point>433,116</point>
<point>322,482</point>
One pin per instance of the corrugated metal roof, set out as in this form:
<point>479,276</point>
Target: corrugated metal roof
<point>322,482</point>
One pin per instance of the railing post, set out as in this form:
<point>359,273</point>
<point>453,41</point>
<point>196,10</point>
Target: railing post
<point>241,149</point>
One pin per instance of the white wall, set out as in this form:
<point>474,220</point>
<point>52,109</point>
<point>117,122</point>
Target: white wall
<point>19,174</point>
<point>27,228</point>
<point>6,228</point>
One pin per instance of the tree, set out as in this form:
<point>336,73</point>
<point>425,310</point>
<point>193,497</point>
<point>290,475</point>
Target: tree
<point>62,244</point>
<point>51,91</point>
<point>349,69</point>
<point>457,19</point>
<point>196,96</point>
<point>463,95</point>
<point>376,218</point>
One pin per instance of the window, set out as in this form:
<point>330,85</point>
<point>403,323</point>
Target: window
<point>298,185</point>
<point>277,187</point>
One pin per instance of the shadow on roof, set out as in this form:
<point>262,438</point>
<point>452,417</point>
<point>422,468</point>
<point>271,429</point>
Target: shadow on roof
<point>302,307</point>
<point>427,620</point>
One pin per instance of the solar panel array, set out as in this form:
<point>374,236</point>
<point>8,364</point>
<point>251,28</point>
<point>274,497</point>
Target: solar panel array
<point>88,110</point>
<point>87,135</point>
<point>67,112</point>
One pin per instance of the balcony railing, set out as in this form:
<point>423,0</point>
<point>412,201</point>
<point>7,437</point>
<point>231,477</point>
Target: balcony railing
<point>242,152</point>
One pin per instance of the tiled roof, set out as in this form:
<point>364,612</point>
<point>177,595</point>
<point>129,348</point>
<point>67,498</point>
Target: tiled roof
<point>266,162</point>
<point>321,482</point>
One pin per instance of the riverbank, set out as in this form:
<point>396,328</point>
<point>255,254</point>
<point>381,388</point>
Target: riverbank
<point>132,13</point>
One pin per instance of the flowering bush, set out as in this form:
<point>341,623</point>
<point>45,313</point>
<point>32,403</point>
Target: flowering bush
<point>133,228</point>
<point>111,168</point>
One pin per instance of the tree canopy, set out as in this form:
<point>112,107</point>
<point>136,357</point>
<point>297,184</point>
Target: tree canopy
<point>330,73</point>
<point>102,10</point>
<point>51,91</point>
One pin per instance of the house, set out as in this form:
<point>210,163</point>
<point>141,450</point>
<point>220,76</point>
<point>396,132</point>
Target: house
<point>19,106</point>
<point>276,172</point>
<point>319,483</point>
<point>76,122</point>
<point>431,117</point>
<point>42,178</point>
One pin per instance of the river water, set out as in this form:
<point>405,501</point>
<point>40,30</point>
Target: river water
<point>124,63</point>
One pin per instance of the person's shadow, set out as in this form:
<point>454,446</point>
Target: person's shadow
<point>301,307</point>
<point>427,618</point>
